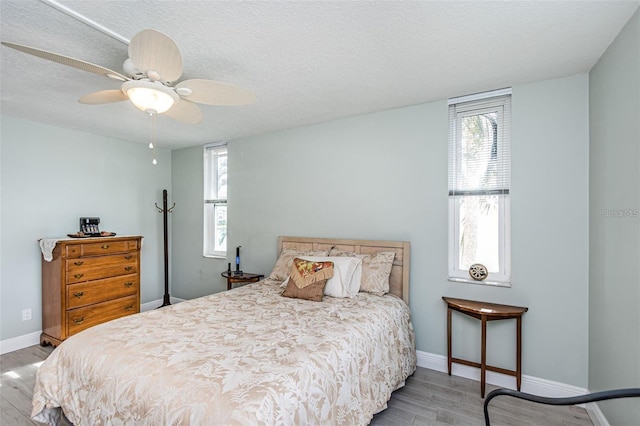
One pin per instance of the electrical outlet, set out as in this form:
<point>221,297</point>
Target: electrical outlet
<point>26,314</point>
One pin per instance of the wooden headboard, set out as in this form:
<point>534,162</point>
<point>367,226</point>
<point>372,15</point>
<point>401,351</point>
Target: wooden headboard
<point>399,279</point>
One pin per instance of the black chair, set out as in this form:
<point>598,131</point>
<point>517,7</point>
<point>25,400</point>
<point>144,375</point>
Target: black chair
<point>581,399</point>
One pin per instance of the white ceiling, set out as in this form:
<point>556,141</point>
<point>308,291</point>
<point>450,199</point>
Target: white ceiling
<point>307,61</point>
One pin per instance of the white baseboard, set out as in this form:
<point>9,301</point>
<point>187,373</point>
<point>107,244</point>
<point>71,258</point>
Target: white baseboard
<point>20,342</point>
<point>26,340</point>
<point>596,416</point>
<point>157,303</point>
<point>530,384</point>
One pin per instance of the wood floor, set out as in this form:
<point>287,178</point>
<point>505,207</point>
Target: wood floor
<point>429,398</point>
<point>434,398</point>
<point>18,371</point>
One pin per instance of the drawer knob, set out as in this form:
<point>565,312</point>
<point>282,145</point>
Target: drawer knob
<point>128,257</point>
<point>106,246</point>
<point>128,284</point>
<point>128,307</point>
<point>78,294</point>
<point>78,320</point>
<point>128,268</point>
<point>78,263</point>
<point>78,276</point>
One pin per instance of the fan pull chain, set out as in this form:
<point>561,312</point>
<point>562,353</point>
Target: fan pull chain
<point>152,145</point>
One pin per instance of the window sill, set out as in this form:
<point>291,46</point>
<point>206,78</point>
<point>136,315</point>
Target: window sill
<point>215,256</point>
<point>485,282</point>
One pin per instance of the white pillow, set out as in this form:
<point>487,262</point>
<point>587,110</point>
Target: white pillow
<point>347,274</point>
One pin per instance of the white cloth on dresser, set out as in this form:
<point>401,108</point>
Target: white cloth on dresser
<point>47,245</point>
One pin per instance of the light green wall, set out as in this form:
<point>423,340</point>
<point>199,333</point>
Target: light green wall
<point>550,225</point>
<point>384,176</point>
<point>614,297</point>
<point>192,274</point>
<point>49,178</point>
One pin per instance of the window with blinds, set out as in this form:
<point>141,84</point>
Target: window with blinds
<point>479,186</point>
<point>215,200</point>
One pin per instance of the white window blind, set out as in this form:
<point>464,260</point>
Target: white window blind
<point>479,147</point>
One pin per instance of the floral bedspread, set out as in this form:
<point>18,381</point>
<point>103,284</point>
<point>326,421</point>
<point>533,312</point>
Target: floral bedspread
<point>243,357</point>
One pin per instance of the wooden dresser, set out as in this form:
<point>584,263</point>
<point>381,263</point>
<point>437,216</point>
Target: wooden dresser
<point>88,282</point>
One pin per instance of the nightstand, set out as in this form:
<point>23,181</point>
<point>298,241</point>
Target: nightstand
<point>244,277</point>
<point>486,312</point>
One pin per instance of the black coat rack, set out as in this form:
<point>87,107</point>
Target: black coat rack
<point>164,210</point>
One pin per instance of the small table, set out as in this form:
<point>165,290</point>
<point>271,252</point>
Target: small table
<point>485,311</point>
<point>243,277</point>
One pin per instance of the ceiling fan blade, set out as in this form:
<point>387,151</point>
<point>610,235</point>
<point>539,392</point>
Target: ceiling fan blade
<point>66,60</point>
<point>151,50</point>
<point>103,97</point>
<point>185,112</point>
<point>214,92</point>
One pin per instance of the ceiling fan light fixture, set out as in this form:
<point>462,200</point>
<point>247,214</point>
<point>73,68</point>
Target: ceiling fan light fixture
<point>150,97</point>
<point>154,64</point>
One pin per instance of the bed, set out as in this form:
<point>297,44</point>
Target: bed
<point>241,357</point>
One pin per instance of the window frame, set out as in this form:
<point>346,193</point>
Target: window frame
<point>500,102</point>
<point>210,153</point>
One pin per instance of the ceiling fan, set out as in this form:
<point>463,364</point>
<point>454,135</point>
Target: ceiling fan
<point>153,66</point>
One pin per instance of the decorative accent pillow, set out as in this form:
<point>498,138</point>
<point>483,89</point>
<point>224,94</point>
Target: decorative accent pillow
<point>376,269</point>
<point>347,274</point>
<point>306,272</point>
<point>311,292</point>
<point>282,267</point>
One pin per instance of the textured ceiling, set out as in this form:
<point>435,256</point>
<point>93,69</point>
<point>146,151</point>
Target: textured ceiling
<point>307,62</point>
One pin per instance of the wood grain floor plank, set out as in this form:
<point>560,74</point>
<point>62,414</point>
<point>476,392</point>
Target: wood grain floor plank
<point>457,401</point>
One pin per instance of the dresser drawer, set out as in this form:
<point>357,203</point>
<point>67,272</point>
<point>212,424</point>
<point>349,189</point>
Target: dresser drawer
<point>88,316</point>
<point>81,265</point>
<point>105,271</point>
<point>101,290</point>
<point>91,268</point>
<point>101,248</point>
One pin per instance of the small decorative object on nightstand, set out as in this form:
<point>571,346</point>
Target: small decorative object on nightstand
<point>243,277</point>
